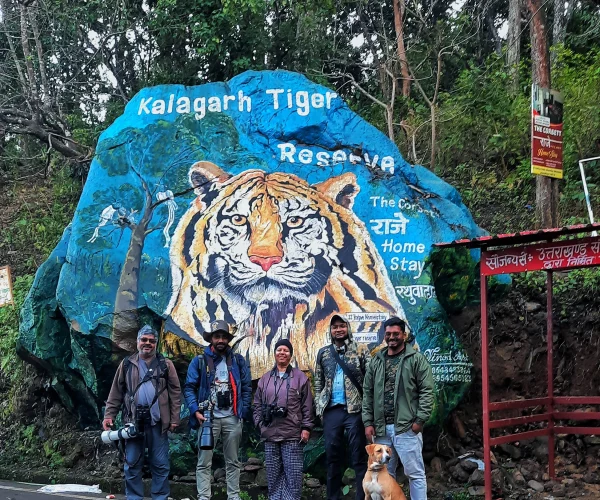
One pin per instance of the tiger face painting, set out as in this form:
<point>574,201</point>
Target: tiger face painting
<point>275,256</point>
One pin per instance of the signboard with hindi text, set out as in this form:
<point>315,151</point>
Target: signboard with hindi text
<point>546,132</point>
<point>6,293</point>
<point>542,257</point>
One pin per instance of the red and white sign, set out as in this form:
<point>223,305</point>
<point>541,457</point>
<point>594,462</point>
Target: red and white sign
<point>546,132</point>
<point>542,257</point>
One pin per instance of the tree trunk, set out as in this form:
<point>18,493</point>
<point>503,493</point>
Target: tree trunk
<point>489,16</point>
<point>433,134</point>
<point>546,188</point>
<point>398,23</point>
<point>562,17</point>
<point>513,41</point>
<point>11,45</point>
<point>40,53</point>
<point>27,53</point>
<point>125,319</point>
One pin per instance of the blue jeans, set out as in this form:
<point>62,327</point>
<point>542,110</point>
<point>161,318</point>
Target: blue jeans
<point>157,443</point>
<point>409,447</point>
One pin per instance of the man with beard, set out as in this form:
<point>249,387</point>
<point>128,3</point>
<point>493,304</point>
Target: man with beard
<point>398,400</point>
<point>148,385</point>
<point>339,374</point>
<point>219,381</point>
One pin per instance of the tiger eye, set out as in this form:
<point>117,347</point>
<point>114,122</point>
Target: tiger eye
<point>294,221</point>
<point>239,220</point>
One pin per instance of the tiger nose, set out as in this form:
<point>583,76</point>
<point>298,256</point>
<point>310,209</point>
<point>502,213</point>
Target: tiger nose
<point>265,262</point>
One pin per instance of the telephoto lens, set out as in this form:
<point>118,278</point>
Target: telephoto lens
<point>207,441</point>
<point>127,432</point>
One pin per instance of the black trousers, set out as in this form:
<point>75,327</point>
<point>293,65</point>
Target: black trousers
<point>336,420</point>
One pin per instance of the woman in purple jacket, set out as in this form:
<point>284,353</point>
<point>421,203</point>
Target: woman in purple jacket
<point>283,411</point>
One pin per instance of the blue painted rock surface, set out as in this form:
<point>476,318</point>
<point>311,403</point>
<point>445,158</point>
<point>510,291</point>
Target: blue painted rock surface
<point>264,201</point>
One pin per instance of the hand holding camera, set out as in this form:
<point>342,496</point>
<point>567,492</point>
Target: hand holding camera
<point>107,424</point>
<point>206,441</point>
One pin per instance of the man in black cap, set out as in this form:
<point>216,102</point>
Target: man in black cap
<point>339,375</point>
<point>219,381</point>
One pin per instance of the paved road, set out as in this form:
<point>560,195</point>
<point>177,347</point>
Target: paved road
<point>27,491</point>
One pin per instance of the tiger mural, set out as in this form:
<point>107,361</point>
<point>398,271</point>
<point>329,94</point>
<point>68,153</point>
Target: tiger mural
<point>275,256</point>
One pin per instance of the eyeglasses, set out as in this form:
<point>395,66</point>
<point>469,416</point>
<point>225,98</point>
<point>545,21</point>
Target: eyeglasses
<point>146,340</point>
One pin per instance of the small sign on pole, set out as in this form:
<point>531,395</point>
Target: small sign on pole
<point>546,132</point>
<point>6,291</point>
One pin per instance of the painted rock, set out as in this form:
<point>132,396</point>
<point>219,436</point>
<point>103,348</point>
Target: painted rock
<point>265,202</point>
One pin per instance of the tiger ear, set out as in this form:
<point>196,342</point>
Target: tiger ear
<point>342,189</point>
<point>204,174</point>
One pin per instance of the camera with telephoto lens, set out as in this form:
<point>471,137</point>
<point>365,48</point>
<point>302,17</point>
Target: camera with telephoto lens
<point>206,441</point>
<point>224,400</point>
<point>270,411</point>
<point>128,431</point>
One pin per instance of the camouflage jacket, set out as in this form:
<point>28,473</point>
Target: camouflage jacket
<point>357,358</point>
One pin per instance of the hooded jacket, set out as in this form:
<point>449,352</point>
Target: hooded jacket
<point>199,380</point>
<point>413,392</point>
<point>357,357</point>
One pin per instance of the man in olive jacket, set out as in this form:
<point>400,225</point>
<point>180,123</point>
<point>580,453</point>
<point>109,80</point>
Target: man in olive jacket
<point>397,401</point>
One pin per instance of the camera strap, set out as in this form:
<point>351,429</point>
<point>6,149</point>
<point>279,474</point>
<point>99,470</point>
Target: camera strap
<point>211,365</point>
<point>287,377</point>
<point>158,369</point>
<point>346,369</point>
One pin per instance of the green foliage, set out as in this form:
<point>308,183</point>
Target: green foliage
<point>484,139</point>
<point>41,215</point>
<point>487,123</point>
<point>572,288</point>
<point>577,76</point>
<point>10,364</point>
<point>55,459</point>
<point>453,272</point>
<point>461,495</point>
<point>27,441</point>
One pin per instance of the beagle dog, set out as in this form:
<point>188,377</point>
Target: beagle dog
<point>378,484</point>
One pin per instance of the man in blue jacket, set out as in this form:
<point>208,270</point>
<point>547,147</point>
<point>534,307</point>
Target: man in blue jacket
<point>220,380</point>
